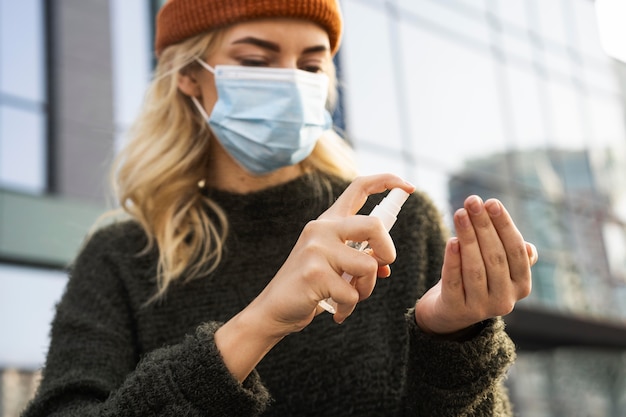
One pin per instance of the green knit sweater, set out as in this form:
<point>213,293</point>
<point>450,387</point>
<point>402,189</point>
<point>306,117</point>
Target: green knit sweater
<point>113,355</point>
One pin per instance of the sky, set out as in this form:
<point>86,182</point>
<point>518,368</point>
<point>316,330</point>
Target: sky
<point>612,25</point>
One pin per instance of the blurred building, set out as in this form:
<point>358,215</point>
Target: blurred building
<point>558,202</point>
<point>513,99</point>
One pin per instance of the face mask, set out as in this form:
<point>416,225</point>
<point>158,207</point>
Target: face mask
<point>267,118</point>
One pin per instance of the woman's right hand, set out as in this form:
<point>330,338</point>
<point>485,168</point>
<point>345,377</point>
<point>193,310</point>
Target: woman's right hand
<point>312,273</point>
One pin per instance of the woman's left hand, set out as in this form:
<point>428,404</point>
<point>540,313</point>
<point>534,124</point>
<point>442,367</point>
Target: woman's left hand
<point>486,270</point>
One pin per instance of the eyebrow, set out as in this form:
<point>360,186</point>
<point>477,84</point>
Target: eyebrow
<point>259,42</point>
<point>313,49</point>
<point>274,47</point>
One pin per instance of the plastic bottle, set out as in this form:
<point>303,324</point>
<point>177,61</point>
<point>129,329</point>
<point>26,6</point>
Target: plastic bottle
<point>387,211</point>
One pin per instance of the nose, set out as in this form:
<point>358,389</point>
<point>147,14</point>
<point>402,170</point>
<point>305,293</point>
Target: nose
<point>290,62</point>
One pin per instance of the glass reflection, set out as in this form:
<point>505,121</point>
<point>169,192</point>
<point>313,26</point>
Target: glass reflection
<point>527,108</point>
<point>22,96</point>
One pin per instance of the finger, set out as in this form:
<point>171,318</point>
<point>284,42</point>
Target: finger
<point>365,285</point>
<point>472,266</point>
<point>494,255</point>
<point>533,255</point>
<point>370,231</point>
<point>361,274</point>
<point>453,292</point>
<point>516,250</point>
<point>343,293</point>
<point>319,310</point>
<point>384,271</point>
<point>345,296</point>
<point>343,312</point>
<point>354,263</point>
<point>355,195</point>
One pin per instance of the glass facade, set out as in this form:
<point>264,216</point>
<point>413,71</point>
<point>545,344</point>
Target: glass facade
<point>132,63</point>
<point>23,97</point>
<point>39,235</point>
<point>23,168</point>
<point>569,382</point>
<point>516,100</point>
<point>510,99</point>
<point>27,299</point>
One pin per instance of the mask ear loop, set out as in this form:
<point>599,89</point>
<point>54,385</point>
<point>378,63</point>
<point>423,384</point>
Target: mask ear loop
<point>200,108</point>
<point>206,66</point>
<point>205,115</point>
<point>195,100</point>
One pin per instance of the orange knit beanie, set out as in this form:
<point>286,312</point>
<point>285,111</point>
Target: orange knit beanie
<point>181,19</point>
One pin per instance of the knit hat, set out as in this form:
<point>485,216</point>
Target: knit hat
<point>182,19</point>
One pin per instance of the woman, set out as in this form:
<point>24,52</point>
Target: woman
<point>241,200</point>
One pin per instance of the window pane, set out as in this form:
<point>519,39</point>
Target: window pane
<point>463,21</point>
<point>552,21</point>
<point>567,128</point>
<point>22,96</point>
<point>22,150</point>
<point>513,13</point>
<point>454,113</point>
<point>131,55</point>
<point>22,49</point>
<point>569,382</point>
<point>26,315</point>
<point>527,109</point>
<point>369,81</point>
<point>525,100</point>
<point>586,25</point>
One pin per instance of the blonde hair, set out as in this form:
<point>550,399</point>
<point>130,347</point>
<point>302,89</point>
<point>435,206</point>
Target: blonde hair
<point>156,175</point>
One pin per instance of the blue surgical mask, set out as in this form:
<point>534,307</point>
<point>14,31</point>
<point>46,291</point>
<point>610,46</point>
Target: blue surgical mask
<point>267,118</point>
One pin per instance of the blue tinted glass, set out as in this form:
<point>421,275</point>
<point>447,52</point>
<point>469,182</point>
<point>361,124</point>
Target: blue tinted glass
<point>22,96</point>
<point>22,150</point>
<point>26,314</point>
<point>22,49</point>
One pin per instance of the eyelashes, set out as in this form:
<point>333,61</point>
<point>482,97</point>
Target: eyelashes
<point>312,68</point>
<point>247,62</point>
<point>258,62</point>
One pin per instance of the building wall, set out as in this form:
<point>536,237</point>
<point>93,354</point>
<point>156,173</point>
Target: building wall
<point>82,98</point>
<point>511,99</point>
<point>515,100</point>
<point>518,96</point>
<point>61,116</point>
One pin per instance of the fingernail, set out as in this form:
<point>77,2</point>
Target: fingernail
<point>493,207</point>
<point>533,255</point>
<point>463,218</point>
<point>387,274</point>
<point>475,204</point>
<point>454,245</point>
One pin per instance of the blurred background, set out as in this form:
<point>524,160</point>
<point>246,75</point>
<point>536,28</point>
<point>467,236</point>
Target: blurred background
<point>523,100</point>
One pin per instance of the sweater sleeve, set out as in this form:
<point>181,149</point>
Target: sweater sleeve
<point>449,378</point>
<point>94,368</point>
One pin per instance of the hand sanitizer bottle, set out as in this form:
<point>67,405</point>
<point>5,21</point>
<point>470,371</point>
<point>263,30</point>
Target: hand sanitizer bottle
<point>387,211</point>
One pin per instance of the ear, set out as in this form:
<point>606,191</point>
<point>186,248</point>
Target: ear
<point>188,84</point>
